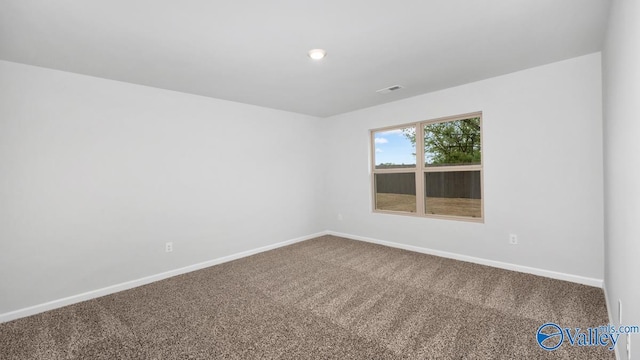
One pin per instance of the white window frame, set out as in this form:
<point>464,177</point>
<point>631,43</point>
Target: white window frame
<point>420,169</point>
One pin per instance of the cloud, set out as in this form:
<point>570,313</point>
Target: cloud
<point>381,140</point>
<point>378,150</point>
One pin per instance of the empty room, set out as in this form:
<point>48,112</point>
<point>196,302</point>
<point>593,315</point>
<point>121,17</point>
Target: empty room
<point>437,179</point>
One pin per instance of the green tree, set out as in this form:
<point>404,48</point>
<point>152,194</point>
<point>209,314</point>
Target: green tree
<point>451,142</point>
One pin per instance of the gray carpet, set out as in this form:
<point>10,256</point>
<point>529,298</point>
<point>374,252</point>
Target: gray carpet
<point>326,298</point>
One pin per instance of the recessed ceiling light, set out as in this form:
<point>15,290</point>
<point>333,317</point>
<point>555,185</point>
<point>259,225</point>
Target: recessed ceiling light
<point>317,54</point>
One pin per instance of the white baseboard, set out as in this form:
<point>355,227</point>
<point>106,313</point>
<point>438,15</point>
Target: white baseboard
<point>32,310</point>
<point>612,320</point>
<point>498,264</point>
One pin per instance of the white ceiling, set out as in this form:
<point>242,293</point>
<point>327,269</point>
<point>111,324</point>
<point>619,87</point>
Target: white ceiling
<point>255,51</point>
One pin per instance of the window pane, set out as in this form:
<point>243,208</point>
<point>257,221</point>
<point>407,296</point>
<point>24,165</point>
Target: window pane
<point>456,193</point>
<point>395,148</point>
<point>396,192</point>
<point>452,143</point>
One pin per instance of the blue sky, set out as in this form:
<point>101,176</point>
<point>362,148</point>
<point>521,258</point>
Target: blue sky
<point>393,147</point>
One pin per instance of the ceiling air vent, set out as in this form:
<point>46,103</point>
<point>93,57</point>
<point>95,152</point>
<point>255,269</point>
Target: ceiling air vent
<point>389,89</point>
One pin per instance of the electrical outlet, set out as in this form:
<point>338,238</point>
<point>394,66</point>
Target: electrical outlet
<point>619,312</point>
<point>513,239</point>
<point>168,247</point>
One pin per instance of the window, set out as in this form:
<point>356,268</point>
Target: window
<point>445,183</point>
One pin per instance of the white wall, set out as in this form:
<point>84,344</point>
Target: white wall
<point>96,175</point>
<point>542,170</point>
<point>621,76</point>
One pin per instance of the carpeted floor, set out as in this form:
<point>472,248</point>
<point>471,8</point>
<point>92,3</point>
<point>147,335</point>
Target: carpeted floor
<point>326,298</point>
